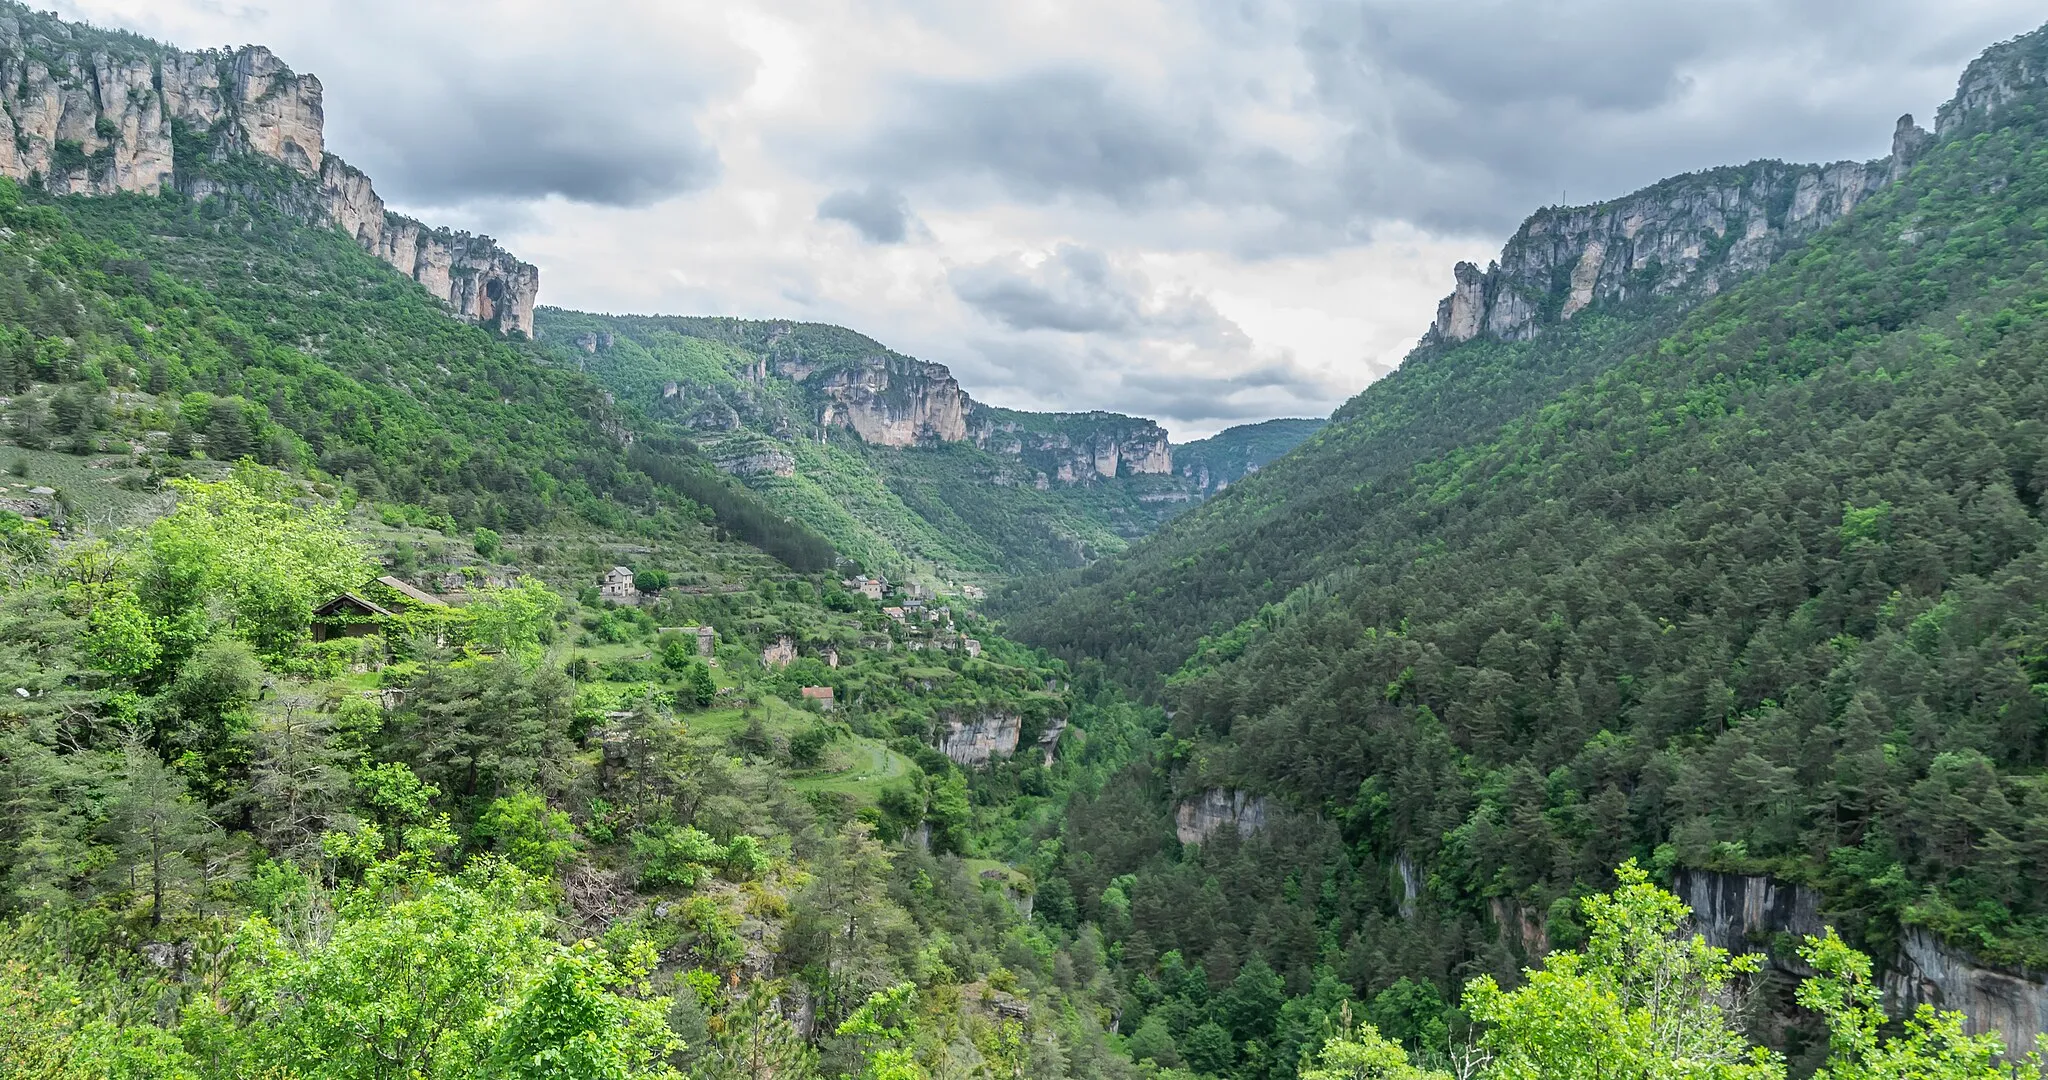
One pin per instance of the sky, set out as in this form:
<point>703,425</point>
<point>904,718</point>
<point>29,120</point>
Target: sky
<point>1207,212</point>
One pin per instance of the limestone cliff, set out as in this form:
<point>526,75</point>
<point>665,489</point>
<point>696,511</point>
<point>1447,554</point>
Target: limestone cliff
<point>1196,818</point>
<point>1688,237</point>
<point>2005,74</point>
<point>1751,912</point>
<point>1928,971</point>
<point>1070,448</point>
<point>888,399</point>
<point>891,400</point>
<point>1692,236</point>
<point>91,112</point>
<point>981,737</point>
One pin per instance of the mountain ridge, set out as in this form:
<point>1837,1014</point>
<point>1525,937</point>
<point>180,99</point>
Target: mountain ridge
<point>94,112</point>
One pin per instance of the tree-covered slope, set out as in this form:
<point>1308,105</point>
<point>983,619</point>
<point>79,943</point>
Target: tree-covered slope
<point>229,327</point>
<point>1232,454</point>
<point>1574,291</point>
<point>1769,594</point>
<point>884,454</point>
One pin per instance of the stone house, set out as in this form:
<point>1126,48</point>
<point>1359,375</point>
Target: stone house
<point>972,646</point>
<point>618,584</point>
<point>820,694</point>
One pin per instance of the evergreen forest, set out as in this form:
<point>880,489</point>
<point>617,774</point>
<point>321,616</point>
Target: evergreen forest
<point>1660,694</point>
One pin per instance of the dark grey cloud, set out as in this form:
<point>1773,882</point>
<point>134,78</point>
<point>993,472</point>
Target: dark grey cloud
<point>1039,136</point>
<point>1081,290</point>
<point>529,143</point>
<point>880,214</point>
<point>1468,116</point>
<point>595,104</point>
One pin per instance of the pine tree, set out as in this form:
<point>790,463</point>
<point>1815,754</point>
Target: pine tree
<point>160,831</point>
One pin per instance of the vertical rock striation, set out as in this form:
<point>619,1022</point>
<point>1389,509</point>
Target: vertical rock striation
<point>1076,448</point>
<point>1756,913</point>
<point>982,737</point>
<point>1195,819</point>
<point>1692,236</point>
<point>90,112</point>
<point>891,400</point>
<point>1689,236</point>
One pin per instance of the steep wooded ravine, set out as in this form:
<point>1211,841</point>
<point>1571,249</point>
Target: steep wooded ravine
<point>1765,592</point>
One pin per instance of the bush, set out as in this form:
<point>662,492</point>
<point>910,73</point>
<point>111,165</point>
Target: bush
<point>677,855</point>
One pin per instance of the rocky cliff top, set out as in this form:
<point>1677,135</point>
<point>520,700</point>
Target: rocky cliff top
<point>2005,73</point>
<point>1692,236</point>
<point>85,111</point>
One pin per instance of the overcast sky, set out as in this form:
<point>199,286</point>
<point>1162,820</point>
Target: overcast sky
<point>1203,211</point>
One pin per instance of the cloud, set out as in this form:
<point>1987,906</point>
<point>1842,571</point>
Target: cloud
<point>1234,208</point>
<point>462,101</point>
<point>526,145</point>
<point>1080,316</point>
<point>1081,290</point>
<point>1469,116</point>
<point>880,214</point>
<point>1039,135</point>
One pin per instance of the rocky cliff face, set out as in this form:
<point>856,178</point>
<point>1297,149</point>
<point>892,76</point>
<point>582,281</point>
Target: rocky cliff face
<point>85,112</point>
<point>1076,448</point>
<point>980,738</point>
<point>476,278</point>
<point>1690,236</point>
<point>1742,913</point>
<point>1195,819</point>
<point>891,400</point>
<point>2004,74</point>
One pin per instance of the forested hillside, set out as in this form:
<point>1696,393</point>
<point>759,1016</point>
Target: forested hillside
<point>384,694</point>
<point>1762,593</point>
<point>887,455</point>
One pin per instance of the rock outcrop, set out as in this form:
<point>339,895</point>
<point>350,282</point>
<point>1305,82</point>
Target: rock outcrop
<point>1754,913</point>
<point>85,112</point>
<point>1928,971</point>
<point>1743,912</point>
<point>891,400</point>
<point>754,461</point>
<point>982,737</point>
<point>2001,76</point>
<point>1195,819</point>
<point>1076,448</point>
<point>1691,237</point>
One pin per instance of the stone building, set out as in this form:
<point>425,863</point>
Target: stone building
<point>618,584</point>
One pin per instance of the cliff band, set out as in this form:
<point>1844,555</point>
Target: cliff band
<point>85,112</point>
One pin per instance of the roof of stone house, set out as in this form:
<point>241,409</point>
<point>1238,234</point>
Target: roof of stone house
<point>410,593</point>
<point>349,597</point>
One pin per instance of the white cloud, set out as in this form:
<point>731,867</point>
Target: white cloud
<point>1273,194</point>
